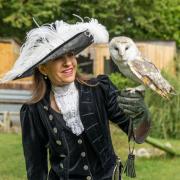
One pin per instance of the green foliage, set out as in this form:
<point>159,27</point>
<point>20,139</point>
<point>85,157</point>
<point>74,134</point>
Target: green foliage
<point>16,16</point>
<point>165,113</point>
<point>141,20</point>
<point>120,81</point>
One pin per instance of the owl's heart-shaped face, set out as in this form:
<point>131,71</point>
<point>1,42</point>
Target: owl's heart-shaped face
<point>123,49</point>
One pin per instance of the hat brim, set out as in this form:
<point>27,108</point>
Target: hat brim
<point>75,44</point>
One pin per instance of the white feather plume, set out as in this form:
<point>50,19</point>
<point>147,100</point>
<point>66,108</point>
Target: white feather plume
<point>42,40</point>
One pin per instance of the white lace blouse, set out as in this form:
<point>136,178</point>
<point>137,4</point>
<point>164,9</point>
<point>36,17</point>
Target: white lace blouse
<point>67,100</point>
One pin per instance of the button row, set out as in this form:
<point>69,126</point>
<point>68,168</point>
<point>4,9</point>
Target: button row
<point>57,141</point>
<point>83,154</point>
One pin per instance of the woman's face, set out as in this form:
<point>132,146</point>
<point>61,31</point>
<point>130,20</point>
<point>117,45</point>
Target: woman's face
<point>60,71</point>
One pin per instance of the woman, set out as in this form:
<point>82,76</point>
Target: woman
<point>68,115</point>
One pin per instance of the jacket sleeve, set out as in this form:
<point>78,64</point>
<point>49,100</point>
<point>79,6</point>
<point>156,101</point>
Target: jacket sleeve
<point>35,152</point>
<point>114,112</point>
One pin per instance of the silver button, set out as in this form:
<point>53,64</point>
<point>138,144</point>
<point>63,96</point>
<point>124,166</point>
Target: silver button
<point>83,154</point>
<point>85,167</point>
<point>50,117</point>
<point>46,108</point>
<point>79,141</point>
<point>55,130</point>
<point>88,178</point>
<point>58,142</point>
<point>62,155</point>
<point>61,165</point>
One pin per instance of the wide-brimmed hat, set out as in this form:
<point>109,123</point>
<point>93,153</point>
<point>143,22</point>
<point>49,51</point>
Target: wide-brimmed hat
<point>50,41</point>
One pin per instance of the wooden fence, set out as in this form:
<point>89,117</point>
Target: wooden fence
<point>5,123</point>
<point>162,54</point>
<point>9,52</point>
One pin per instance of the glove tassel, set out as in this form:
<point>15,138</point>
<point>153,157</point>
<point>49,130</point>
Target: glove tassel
<point>129,168</point>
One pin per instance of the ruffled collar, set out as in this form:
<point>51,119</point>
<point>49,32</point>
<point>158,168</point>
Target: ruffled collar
<point>64,90</point>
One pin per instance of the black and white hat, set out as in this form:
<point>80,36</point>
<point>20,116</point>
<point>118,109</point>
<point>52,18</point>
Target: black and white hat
<point>50,41</point>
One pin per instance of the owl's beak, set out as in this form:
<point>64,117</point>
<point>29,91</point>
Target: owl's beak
<point>120,52</point>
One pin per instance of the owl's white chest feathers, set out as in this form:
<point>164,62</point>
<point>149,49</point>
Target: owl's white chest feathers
<point>126,71</point>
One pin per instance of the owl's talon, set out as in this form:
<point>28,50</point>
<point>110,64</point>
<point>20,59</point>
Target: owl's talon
<point>140,89</point>
<point>131,90</point>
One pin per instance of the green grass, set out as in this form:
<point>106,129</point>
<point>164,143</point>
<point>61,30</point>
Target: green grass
<point>12,165</point>
<point>157,168</point>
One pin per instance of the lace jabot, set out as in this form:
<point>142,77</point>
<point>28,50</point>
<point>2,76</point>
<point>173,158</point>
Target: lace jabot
<point>67,99</point>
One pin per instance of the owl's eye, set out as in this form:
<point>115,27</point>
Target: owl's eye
<point>116,48</point>
<point>127,48</point>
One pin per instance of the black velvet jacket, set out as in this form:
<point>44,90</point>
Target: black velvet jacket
<point>97,106</point>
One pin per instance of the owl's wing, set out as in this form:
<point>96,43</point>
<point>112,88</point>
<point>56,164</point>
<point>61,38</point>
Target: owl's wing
<point>150,76</point>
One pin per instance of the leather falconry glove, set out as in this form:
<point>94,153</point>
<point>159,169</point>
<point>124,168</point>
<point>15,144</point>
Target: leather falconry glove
<point>132,103</point>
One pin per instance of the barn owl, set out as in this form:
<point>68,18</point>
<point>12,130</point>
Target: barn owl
<point>131,64</point>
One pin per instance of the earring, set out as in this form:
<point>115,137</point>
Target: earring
<point>45,76</point>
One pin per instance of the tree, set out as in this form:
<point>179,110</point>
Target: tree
<point>16,16</point>
<point>141,20</point>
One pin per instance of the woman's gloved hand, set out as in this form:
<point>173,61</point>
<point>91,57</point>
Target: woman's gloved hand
<point>132,103</point>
